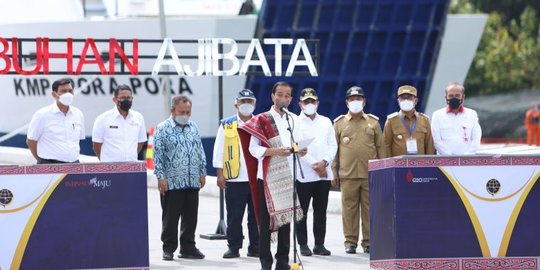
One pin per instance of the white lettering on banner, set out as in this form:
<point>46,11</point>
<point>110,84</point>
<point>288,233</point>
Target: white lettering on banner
<point>424,179</point>
<point>278,42</point>
<point>167,45</point>
<point>231,56</point>
<point>492,215</point>
<point>209,57</point>
<point>301,46</point>
<point>255,45</point>
<point>100,183</point>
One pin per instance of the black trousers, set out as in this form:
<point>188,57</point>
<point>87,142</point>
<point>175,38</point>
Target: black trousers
<point>319,191</point>
<point>179,204</point>
<point>237,197</point>
<point>284,238</point>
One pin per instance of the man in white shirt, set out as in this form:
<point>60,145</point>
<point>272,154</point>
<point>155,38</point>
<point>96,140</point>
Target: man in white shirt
<point>317,172</point>
<point>267,139</point>
<point>119,133</point>
<point>455,129</point>
<point>55,131</point>
<point>231,172</point>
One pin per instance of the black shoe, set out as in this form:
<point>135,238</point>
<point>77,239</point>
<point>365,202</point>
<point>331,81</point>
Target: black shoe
<point>287,267</point>
<point>168,256</point>
<point>305,251</point>
<point>231,254</point>
<point>366,249</point>
<point>253,254</point>
<point>192,254</point>
<point>321,250</point>
<point>350,249</point>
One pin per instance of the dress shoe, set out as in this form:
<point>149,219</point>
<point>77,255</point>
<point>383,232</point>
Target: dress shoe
<point>366,249</point>
<point>321,250</point>
<point>167,256</point>
<point>253,254</point>
<point>350,249</point>
<point>192,254</point>
<point>305,251</point>
<point>231,254</point>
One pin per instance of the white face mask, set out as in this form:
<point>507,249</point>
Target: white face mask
<point>310,109</point>
<point>406,105</point>
<point>66,99</point>
<point>356,106</point>
<point>246,109</point>
<point>181,119</point>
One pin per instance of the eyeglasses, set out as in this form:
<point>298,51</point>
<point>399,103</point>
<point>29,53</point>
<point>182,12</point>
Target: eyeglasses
<point>125,99</point>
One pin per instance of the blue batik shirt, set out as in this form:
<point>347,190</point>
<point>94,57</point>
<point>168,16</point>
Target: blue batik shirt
<point>179,155</point>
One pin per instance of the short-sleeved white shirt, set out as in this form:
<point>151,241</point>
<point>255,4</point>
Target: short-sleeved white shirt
<point>119,136</point>
<point>57,135</point>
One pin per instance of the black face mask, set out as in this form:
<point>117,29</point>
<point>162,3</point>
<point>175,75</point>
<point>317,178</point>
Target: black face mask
<point>125,105</point>
<point>454,103</point>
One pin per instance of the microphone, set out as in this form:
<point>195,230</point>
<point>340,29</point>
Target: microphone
<point>284,109</point>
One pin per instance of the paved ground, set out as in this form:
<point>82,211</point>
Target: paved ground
<point>214,249</point>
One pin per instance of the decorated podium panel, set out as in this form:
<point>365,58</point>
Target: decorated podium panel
<point>436,212</point>
<point>74,216</point>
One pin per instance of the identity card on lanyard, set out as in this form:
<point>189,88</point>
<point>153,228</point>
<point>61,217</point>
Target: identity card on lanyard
<point>412,147</point>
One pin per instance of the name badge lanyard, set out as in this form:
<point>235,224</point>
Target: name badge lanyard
<point>412,148</point>
<point>410,129</point>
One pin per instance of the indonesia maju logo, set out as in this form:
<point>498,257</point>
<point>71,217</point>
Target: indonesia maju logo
<point>6,197</point>
<point>95,182</point>
<point>493,186</point>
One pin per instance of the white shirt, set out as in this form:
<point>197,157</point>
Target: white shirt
<point>119,136</point>
<point>257,150</point>
<point>217,159</point>
<point>456,134</point>
<point>57,135</point>
<point>324,146</point>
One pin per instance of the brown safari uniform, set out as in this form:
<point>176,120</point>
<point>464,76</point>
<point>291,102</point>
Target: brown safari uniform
<point>359,140</point>
<point>396,134</point>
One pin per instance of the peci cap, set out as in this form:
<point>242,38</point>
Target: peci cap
<point>406,89</point>
<point>308,93</point>
<point>245,94</point>
<point>355,91</point>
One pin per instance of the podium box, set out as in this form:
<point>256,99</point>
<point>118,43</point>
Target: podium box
<point>74,216</point>
<point>442,212</point>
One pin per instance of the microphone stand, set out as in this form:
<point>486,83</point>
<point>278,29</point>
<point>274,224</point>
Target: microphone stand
<point>296,160</point>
